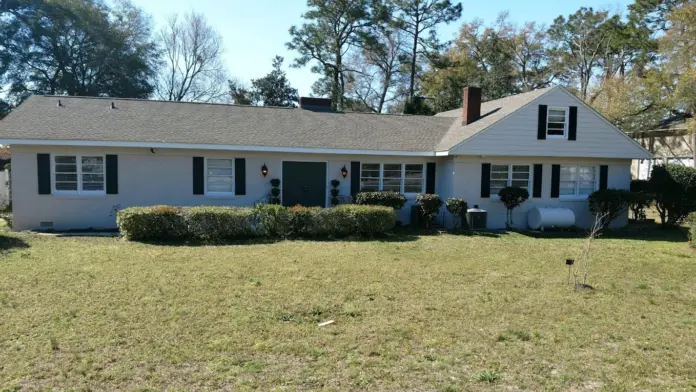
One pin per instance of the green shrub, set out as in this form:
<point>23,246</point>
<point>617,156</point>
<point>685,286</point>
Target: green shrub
<point>674,189</point>
<point>368,221</point>
<point>457,207</point>
<point>220,223</point>
<point>430,205</point>
<point>311,222</point>
<point>609,203</point>
<point>272,220</point>
<point>161,223</point>
<point>391,199</point>
<point>512,197</point>
<point>691,222</point>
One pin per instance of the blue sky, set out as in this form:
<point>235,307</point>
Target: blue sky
<point>254,31</point>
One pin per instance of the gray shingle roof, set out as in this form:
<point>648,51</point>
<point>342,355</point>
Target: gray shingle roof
<point>491,112</point>
<point>92,119</point>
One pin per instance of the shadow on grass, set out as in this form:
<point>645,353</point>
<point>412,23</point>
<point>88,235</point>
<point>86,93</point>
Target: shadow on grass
<point>392,237</point>
<point>10,243</point>
<point>637,233</point>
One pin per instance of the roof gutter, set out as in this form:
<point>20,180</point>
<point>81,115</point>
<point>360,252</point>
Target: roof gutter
<point>224,147</point>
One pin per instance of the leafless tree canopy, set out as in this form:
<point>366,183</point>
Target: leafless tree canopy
<point>193,70</point>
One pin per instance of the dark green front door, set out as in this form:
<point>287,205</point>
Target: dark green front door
<point>304,183</point>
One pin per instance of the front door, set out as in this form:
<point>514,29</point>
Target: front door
<point>304,183</point>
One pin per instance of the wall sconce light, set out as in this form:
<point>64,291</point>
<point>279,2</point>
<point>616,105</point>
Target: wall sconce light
<point>344,171</point>
<point>264,170</point>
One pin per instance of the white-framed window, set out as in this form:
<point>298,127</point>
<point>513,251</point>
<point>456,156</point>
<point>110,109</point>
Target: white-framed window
<point>79,174</point>
<point>219,176</point>
<point>397,177</point>
<point>578,180</point>
<point>509,175</point>
<point>557,123</point>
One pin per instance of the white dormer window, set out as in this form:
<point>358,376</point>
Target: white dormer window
<point>557,123</point>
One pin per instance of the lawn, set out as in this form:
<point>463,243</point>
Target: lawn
<point>429,313</point>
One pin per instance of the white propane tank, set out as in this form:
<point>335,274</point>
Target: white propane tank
<point>539,218</point>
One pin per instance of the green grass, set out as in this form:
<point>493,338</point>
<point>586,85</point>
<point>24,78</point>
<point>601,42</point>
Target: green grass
<point>431,313</point>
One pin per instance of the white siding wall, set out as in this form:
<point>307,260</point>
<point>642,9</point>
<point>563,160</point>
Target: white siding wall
<point>163,178</point>
<point>467,183</point>
<point>516,135</point>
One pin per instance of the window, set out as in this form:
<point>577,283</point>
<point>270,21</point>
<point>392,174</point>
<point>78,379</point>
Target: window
<point>219,176</point>
<point>397,177</point>
<point>578,180</point>
<point>78,174</point>
<point>557,122</point>
<point>509,175</point>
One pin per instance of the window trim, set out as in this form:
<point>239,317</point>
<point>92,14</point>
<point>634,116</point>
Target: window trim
<point>530,181</point>
<point>78,163</point>
<point>565,124</point>
<point>402,186</point>
<point>205,179</point>
<point>576,196</point>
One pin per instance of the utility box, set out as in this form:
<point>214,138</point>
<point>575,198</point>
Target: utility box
<point>477,218</point>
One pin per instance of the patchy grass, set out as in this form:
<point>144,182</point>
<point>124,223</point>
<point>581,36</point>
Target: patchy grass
<point>432,313</point>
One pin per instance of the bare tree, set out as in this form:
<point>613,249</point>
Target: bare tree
<point>377,70</point>
<point>194,70</point>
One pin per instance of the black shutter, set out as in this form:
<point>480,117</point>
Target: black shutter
<point>240,176</point>
<point>541,131</point>
<point>112,174</point>
<point>198,176</point>
<point>485,180</point>
<point>354,178</point>
<point>603,177</point>
<point>430,178</point>
<point>43,166</point>
<point>538,177</point>
<point>555,181</point>
<point>573,123</point>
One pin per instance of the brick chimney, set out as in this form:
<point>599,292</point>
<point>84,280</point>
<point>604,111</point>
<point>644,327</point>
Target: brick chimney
<point>471,105</point>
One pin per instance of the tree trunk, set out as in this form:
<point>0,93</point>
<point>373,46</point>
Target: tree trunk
<point>414,53</point>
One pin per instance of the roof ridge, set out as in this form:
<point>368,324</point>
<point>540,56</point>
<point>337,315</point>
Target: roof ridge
<point>219,104</point>
<point>160,101</point>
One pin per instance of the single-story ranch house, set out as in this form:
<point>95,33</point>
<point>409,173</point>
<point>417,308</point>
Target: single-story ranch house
<point>76,161</point>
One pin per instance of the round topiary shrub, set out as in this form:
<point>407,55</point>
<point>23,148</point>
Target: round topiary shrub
<point>512,197</point>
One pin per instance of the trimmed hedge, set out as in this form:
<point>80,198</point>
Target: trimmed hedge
<point>391,199</point>
<point>152,223</point>
<point>691,222</point>
<point>164,223</point>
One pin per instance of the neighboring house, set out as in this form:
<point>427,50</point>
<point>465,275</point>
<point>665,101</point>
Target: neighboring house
<point>670,143</point>
<point>76,161</point>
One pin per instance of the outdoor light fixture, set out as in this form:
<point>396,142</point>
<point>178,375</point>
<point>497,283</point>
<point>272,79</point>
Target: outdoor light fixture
<point>344,171</point>
<point>264,170</point>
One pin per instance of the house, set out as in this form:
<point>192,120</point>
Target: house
<point>669,143</point>
<point>77,161</point>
